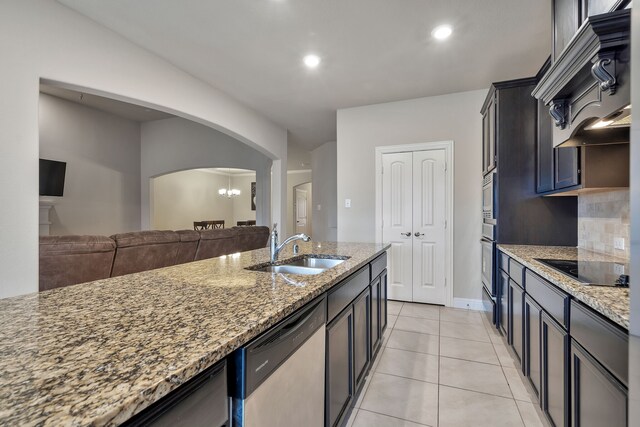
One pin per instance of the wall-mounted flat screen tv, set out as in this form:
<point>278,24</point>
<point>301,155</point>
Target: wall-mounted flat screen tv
<point>52,177</point>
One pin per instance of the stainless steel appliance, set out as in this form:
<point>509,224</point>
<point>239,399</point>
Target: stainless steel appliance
<point>594,273</point>
<point>489,222</point>
<point>280,375</point>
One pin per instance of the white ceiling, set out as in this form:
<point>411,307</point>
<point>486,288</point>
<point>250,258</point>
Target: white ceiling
<point>372,51</point>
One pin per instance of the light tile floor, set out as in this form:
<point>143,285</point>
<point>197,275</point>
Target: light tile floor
<point>443,367</point>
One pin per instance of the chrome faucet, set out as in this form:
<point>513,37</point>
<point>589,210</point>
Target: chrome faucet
<point>273,242</point>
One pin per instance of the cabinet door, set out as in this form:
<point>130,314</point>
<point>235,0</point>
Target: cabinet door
<point>503,288</point>
<point>383,302</point>
<point>339,385</point>
<point>516,319</point>
<point>555,355</point>
<point>375,315</point>
<point>567,167</point>
<point>597,7</point>
<point>532,366</point>
<point>361,335</point>
<point>566,20</point>
<point>597,398</point>
<point>544,151</point>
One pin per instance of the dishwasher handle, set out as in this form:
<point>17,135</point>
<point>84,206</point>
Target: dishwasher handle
<point>260,358</point>
<point>286,330</point>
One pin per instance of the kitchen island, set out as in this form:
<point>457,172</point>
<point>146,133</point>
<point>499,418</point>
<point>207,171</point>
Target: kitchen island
<point>101,352</point>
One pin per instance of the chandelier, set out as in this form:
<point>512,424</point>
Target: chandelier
<point>229,192</point>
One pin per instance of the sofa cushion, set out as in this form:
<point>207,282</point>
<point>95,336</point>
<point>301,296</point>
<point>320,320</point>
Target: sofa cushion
<point>68,260</point>
<point>189,240</point>
<point>216,242</point>
<point>144,250</point>
<point>250,238</point>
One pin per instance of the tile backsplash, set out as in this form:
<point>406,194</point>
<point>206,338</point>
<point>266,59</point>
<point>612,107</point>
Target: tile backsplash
<point>603,217</point>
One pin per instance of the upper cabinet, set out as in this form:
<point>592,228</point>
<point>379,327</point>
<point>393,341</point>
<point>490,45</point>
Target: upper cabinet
<point>569,15</point>
<point>567,18</point>
<point>586,90</point>
<point>489,134</point>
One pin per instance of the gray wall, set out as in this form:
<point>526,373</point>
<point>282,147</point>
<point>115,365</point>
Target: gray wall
<point>42,39</point>
<point>325,186</point>
<point>102,151</point>
<point>441,118</point>
<point>177,144</point>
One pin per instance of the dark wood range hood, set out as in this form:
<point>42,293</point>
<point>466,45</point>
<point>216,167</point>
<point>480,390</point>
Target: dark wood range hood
<point>587,88</point>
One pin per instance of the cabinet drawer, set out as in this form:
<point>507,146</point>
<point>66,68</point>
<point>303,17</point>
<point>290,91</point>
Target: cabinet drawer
<point>608,343</point>
<point>346,292</point>
<point>516,272</point>
<point>551,299</point>
<point>378,265</point>
<point>503,262</point>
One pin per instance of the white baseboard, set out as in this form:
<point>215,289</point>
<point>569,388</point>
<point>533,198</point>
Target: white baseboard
<point>471,304</point>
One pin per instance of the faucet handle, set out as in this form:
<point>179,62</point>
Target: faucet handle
<point>275,226</point>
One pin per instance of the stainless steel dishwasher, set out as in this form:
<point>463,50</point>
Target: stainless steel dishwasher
<point>279,376</point>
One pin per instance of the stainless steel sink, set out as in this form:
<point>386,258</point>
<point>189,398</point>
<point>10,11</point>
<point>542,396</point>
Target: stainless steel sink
<point>291,269</point>
<point>317,262</point>
<point>304,266</point>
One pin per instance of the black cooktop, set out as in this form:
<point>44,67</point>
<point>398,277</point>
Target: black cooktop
<point>600,273</point>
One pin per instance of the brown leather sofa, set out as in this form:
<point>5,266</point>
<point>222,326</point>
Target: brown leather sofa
<point>144,250</point>
<point>250,238</point>
<point>216,242</point>
<point>68,260</point>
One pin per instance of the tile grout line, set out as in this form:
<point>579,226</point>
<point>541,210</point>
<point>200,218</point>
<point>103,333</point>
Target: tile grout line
<point>394,417</point>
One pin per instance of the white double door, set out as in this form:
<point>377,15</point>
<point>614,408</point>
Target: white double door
<point>414,213</point>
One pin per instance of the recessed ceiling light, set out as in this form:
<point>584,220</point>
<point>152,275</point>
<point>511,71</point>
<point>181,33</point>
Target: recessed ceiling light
<point>442,32</point>
<point>311,61</point>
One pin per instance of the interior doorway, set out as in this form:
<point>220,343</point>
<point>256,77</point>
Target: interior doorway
<point>414,214</point>
<point>302,208</point>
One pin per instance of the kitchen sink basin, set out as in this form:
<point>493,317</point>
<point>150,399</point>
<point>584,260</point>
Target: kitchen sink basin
<point>308,265</point>
<point>324,263</point>
<point>291,269</point>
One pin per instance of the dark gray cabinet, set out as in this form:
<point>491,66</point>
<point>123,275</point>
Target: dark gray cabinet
<point>597,398</point>
<point>361,335</point>
<point>555,381</point>
<point>383,302</point>
<point>503,294</point>
<point>339,367</point>
<point>567,16</point>
<point>376,330</point>
<point>489,136</point>
<point>516,318</point>
<point>556,168</point>
<point>532,360</point>
<point>566,167</point>
<point>201,401</point>
<point>545,160</point>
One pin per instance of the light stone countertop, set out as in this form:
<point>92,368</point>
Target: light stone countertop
<point>98,353</point>
<point>612,302</point>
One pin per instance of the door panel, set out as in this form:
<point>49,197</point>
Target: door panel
<point>339,389</point>
<point>301,211</point>
<point>397,194</point>
<point>429,215</point>
<point>555,353</point>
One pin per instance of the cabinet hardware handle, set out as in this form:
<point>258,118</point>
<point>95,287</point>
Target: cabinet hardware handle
<point>408,233</point>
<point>418,234</point>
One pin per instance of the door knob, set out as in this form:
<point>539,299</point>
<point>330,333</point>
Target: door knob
<point>408,233</point>
<point>418,234</point>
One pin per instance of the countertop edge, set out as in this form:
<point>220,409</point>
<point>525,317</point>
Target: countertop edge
<point>588,300</point>
<point>180,376</point>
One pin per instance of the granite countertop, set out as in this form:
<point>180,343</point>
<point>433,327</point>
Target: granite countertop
<point>611,302</point>
<point>100,352</point>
